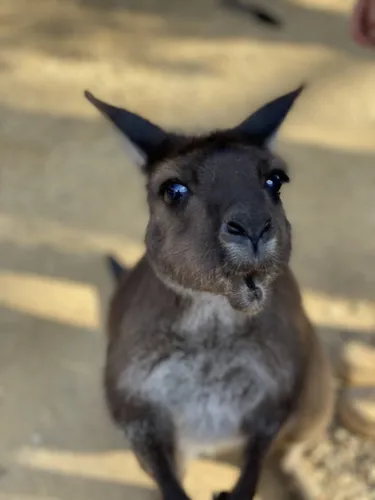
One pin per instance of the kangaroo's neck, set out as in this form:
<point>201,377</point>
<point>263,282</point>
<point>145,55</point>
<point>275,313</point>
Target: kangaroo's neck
<point>201,311</point>
<point>205,312</point>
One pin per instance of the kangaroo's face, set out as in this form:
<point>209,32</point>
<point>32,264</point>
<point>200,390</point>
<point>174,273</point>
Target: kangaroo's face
<point>216,220</point>
<point>216,223</point>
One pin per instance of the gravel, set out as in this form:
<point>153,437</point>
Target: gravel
<point>344,466</point>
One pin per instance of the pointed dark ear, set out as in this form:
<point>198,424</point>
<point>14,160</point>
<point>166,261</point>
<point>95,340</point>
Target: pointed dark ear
<point>144,135</point>
<point>265,122</point>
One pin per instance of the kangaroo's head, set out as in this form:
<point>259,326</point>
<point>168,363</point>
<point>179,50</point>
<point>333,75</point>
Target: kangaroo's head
<point>217,223</point>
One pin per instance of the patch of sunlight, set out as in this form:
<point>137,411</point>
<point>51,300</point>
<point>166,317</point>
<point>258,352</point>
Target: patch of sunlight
<point>44,74</point>
<point>35,232</point>
<point>342,139</point>
<point>122,467</point>
<point>206,476</point>
<point>44,297</point>
<point>342,6</point>
<point>335,312</point>
<point>59,300</point>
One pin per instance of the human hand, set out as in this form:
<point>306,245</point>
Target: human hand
<point>362,25</point>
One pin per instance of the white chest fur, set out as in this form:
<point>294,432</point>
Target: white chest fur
<point>206,388</point>
<point>209,312</point>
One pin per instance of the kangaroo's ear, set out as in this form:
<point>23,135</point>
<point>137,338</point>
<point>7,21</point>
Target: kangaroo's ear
<point>144,135</point>
<point>263,125</point>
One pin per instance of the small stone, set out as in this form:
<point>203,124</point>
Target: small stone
<point>341,435</point>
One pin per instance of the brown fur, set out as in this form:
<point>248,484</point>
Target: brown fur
<point>200,357</point>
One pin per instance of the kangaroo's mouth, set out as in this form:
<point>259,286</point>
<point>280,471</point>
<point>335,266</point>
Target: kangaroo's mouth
<point>253,287</point>
<point>255,291</point>
<point>248,294</point>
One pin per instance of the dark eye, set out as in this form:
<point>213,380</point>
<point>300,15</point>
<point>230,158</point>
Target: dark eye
<point>174,192</point>
<point>274,182</point>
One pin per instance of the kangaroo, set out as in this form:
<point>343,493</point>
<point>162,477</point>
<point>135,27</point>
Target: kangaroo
<point>209,347</point>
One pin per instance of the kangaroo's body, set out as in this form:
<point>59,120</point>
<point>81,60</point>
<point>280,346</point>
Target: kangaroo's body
<point>204,357</point>
<point>209,346</point>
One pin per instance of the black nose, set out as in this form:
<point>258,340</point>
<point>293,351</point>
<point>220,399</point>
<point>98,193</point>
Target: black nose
<point>237,232</point>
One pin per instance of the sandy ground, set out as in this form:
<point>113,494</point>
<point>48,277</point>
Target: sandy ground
<point>68,195</point>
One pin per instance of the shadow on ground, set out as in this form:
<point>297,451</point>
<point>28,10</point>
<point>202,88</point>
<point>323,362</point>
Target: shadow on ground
<point>69,29</point>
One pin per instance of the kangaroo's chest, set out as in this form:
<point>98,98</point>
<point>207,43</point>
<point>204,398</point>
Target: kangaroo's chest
<point>210,382</point>
<point>208,394</point>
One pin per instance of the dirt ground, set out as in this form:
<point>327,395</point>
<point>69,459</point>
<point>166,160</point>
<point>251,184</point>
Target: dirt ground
<point>68,195</point>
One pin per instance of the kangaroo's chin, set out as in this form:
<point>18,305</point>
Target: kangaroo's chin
<point>248,295</point>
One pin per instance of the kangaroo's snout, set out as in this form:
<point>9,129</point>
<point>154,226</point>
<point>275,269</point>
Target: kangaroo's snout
<point>247,233</point>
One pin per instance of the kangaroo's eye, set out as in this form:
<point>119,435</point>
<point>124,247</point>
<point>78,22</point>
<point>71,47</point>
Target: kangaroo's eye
<point>174,192</point>
<point>274,181</point>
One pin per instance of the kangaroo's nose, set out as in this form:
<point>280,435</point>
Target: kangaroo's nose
<point>235,231</point>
